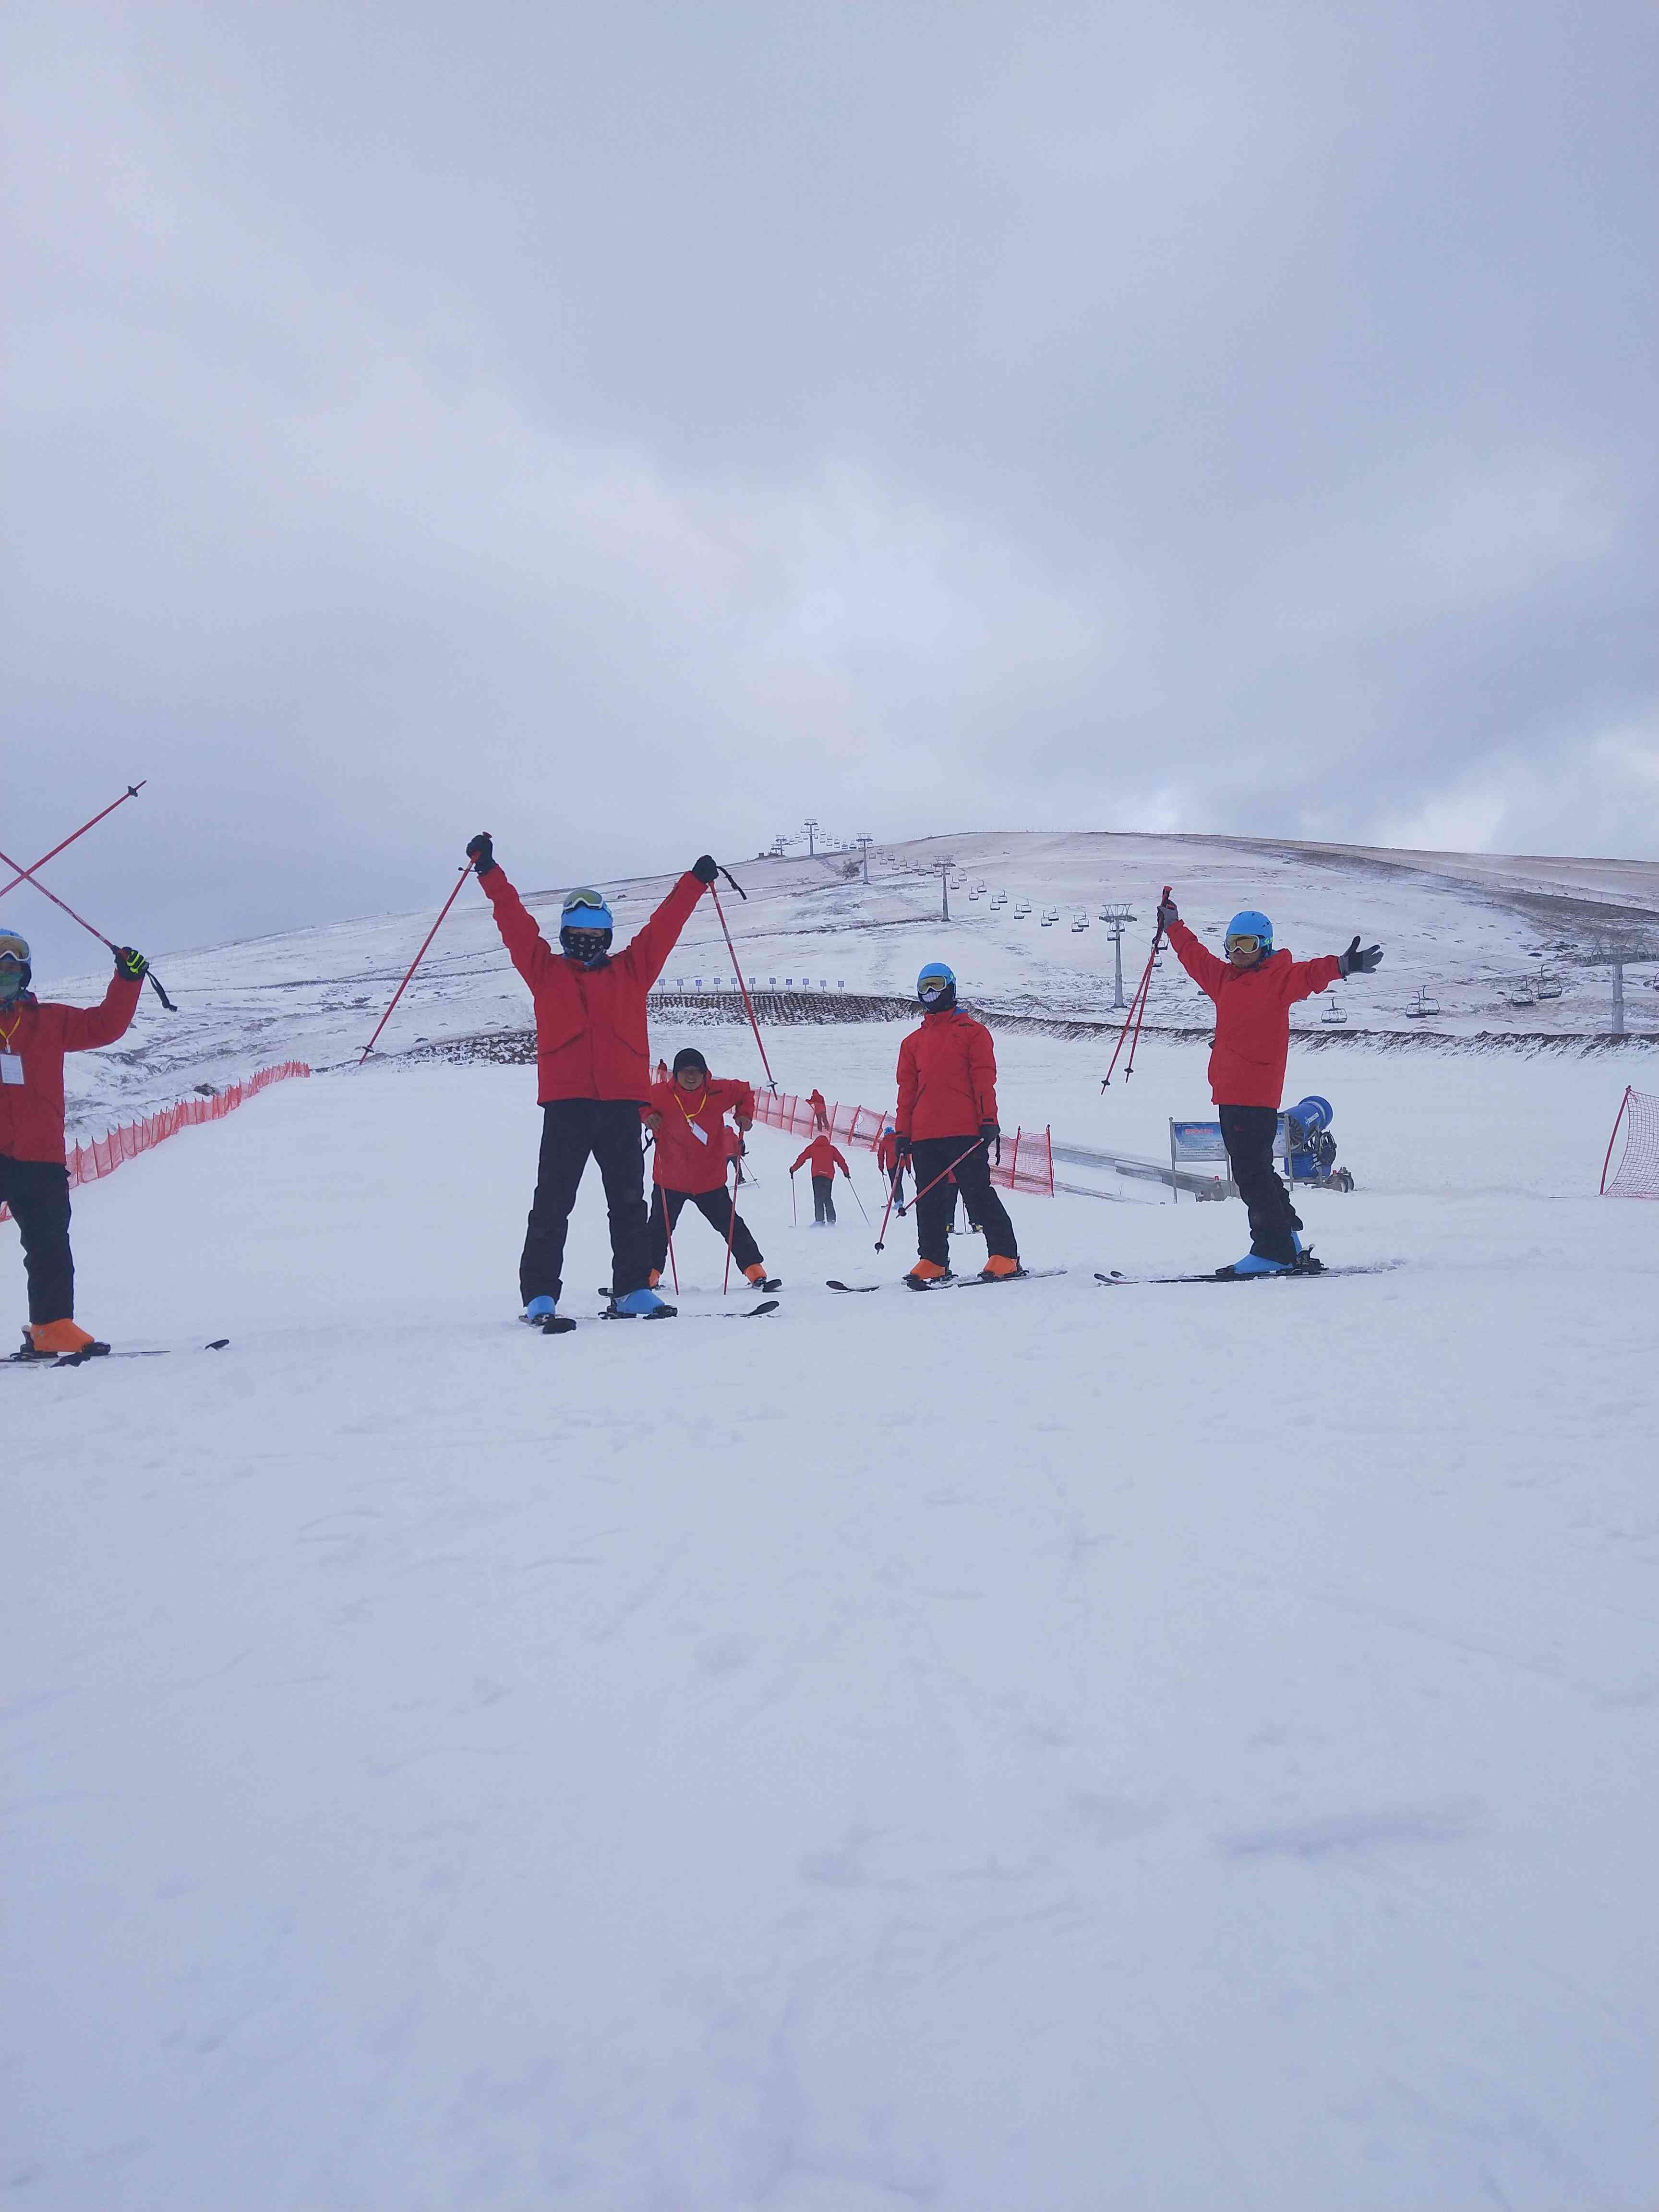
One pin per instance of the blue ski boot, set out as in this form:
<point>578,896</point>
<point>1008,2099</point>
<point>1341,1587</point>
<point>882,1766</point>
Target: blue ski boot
<point>540,1310</point>
<point>643,1305</point>
<point>1254,1264</point>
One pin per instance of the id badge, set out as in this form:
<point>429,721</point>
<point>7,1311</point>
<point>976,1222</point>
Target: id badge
<point>11,1069</point>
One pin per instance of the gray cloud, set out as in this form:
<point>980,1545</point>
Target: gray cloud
<point>634,428</point>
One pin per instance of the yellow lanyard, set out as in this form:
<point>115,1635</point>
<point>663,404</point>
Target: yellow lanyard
<point>6,1036</point>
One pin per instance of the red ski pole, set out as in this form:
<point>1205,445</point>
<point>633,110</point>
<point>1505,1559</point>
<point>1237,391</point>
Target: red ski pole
<point>108,943</point>
<point>731,1231</point>
<point>940,1176</point>
<point>465,872</point>
<point>794,1210</point>
<point>892,1193</point>
<point>1138,1004</point>
<point>27,874</point>
<point>748,1004</point>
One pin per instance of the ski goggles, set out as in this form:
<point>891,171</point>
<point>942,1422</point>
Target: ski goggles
<point>933,987</point>
<point>1243,943</point>
<point>585,903</point>
<point>10,959</point>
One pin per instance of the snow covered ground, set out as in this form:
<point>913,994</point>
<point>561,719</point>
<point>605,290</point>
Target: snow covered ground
<point>1027,1750</point>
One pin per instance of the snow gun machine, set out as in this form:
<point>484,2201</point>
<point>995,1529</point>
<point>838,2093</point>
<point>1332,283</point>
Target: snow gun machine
<point>1310,1149</point>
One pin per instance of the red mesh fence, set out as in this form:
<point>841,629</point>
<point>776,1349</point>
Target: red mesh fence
<point>87,1163</point>
<point>1027,1163</point>
<point>1637,1175</point>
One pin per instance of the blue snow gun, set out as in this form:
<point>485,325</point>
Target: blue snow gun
<point>1311,1148</point>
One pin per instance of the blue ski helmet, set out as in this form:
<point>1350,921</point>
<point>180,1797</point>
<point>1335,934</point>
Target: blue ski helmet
<point>1249,923</point>
<point>585,927</point>
<point>936,986</point>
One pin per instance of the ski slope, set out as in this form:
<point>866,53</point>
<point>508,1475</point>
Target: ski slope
<point>1043,1749</point>
<point>1465,926</point>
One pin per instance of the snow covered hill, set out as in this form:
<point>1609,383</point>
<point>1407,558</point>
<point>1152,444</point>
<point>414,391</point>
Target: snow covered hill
<point>1467,928</point>
<point>1033,1750</point>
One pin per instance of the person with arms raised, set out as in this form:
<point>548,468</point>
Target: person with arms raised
<point>34,1035</point>
<point>594,1072</point>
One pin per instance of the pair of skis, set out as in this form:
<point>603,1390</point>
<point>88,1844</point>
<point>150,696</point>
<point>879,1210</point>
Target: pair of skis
<point>946,1282</point>
<point>84,1358</point>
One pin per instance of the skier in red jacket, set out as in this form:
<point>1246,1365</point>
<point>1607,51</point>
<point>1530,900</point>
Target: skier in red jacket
<point>887,1157</point>
<point>820,1111</point>
<point>1254,988</point>
<point>947,1122</point>
<point>693,1152</point>
<point>593,1073</point>
<point>825,1160</point>
<point>34,1156</point>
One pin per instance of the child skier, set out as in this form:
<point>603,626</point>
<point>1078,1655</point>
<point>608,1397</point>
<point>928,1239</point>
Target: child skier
<point>825,1160</point>
<point>1254,988</point>
<point>947,1123</point>
<point>887,1157</point>
<point>34,1157</point>
<point>687,1117</point>
<point>594,1072</point>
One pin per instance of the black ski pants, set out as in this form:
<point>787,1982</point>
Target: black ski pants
<point>37,1191</point>
<point>717,1208</point>
<point>823,1199</point>
<point>1247,1133</point>
<point>929,1158</point>
<point>574,1131</point>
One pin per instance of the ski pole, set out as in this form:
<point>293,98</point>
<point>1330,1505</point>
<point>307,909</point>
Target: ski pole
<point>857,1200</point>
<point>940,1176</point>
<point>892,1193</point>
<point>107,942</point>
<point>415,962</point>
<point>731,1231</point>
<point>794,1209</point>
<point>668,1224</point>
<point>747,1003</point>
<point>23,874</point>
<point>1138,1004</point>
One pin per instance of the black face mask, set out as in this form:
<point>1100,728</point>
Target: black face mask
<point>943,1004</point>
<point>586,947</point>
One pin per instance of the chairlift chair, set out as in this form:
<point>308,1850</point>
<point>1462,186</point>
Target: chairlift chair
<point>1333,1014</point>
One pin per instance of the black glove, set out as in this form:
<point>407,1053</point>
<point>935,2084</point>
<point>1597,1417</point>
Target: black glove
<point>1167,912</point>
<point>1354,962</point>
<point>902,1153</point>
<point>705,869</point>
<point>988,1132</point>
<point>481,852</point>
<point>133,965</point>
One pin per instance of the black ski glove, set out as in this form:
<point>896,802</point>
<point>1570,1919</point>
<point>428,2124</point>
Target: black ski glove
<point>902,1152</point>
<point>133,965</point>
<point>705,869</point>
<point>1167,912</point>
<point>988,1132</point>
<point>481,851</point>
<point>1354,962</point>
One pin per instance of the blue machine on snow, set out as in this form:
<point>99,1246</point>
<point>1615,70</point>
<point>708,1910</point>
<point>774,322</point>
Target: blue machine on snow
<point>1310,1149</point>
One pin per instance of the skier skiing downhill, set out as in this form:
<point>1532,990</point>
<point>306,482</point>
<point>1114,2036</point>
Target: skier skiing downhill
<point>34,1035</point>
<point>947,1123</point>
<point>1254,988</point>
<point>825,1159</point>
<point>593,1073</point>
<point>687,1117</point>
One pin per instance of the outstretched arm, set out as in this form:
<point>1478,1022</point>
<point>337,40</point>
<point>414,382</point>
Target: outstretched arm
<point>528,950</point>
<point>648,953</point>
<point>1201,964</point>
<point>1308,976</point>
<point>85,1028</point>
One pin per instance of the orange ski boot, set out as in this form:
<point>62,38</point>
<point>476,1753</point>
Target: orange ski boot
<point>925,1273</point>
<point>998,1269</point>
<point>62,1340</point>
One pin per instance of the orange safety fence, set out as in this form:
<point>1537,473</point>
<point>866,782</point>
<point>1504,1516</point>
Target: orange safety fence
<point>87,1163</point>
<point>1028,1159</point>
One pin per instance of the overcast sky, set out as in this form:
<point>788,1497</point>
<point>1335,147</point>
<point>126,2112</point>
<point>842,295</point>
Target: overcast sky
<point>633,427</point>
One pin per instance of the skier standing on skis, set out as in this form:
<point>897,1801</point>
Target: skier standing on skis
<point>887,1157</point>
<point>947,1123</point>
<point>594,1072</point>
<point>1253,990</point>
<point>34,1035</point>
<point>820,1111</point>
<point>687,1117</point>
<point>825,1160</point>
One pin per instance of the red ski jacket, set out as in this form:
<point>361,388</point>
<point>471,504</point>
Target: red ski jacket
<point>693,1146</point>
<point>887,1152</point>
<point>590,1021</point>
<point>947,1077</point>
<point>825,1159</point>
<point>1252,1016</point>
<point>31,1111</point>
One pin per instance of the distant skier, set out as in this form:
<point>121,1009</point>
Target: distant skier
<point>687,1116</point>
<point>662,1070</point>
<point>825,1160</point>
<point>1254,988</point>
<point>947,1122</point>
<point>820,1111</point>
<point>34,1035</point>
<point>887,1157</point>
<point>594,1072</point>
